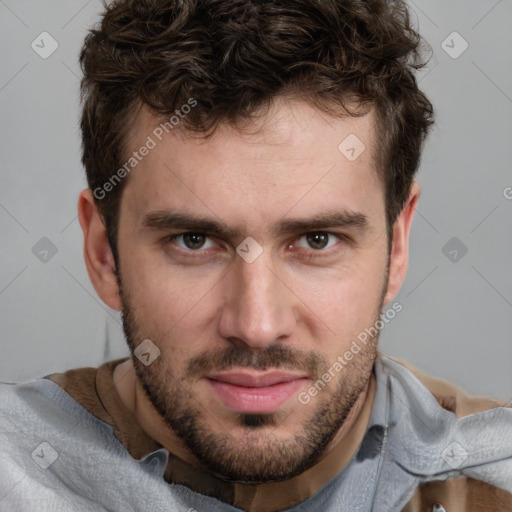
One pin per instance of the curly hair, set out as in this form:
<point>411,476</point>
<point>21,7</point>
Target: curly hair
<point>234,57</point>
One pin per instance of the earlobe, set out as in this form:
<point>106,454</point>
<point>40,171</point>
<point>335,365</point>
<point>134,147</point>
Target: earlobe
<point>399,256</point>
<point>97,252</point>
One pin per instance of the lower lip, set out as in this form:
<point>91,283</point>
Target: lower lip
<point>264,400</point>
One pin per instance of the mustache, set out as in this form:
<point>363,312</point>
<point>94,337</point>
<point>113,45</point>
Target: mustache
<point>274,356</point>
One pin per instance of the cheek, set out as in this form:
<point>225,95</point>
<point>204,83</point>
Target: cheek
<point>171,305</point>
<point>343,303</point>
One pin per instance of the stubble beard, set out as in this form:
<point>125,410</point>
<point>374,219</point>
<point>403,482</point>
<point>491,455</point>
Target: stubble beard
<point>249,451</point>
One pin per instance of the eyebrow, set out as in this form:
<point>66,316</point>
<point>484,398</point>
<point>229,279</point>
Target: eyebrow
<point>164,220</point>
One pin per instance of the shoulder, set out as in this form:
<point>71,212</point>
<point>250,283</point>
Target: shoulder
<point>30,410</point>
<point>51,446</point>
<point>35,411</point>
<point>447,415</point>
<point>80,383</point>
<point>451,397</point>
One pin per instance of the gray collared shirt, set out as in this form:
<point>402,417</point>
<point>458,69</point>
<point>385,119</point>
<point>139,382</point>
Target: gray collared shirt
<point>55,456</point>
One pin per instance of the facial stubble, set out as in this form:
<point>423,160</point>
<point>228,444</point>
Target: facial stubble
<point>248,451</point>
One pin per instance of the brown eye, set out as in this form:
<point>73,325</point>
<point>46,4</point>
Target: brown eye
<point>317,240</point>
<point>192,241</point>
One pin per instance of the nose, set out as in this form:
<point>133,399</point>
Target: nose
<point>258,308</point>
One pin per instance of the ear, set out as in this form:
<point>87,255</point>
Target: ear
<point>399,256</point>
<point>97,253</point>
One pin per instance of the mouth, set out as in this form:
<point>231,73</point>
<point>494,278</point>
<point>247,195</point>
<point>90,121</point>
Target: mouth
<point>255,392</point>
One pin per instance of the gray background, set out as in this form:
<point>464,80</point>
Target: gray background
<point>457,308</point>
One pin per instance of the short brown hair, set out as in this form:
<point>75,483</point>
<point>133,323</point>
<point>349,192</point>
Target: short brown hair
<point>234,57</point>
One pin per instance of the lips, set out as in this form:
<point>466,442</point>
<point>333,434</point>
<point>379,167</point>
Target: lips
<point>249,380</point>
<point>255,392</point>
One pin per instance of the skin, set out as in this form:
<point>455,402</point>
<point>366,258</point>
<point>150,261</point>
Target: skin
<point>296,307</point>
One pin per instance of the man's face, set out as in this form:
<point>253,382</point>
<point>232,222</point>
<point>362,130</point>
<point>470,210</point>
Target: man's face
<point>242,336</point>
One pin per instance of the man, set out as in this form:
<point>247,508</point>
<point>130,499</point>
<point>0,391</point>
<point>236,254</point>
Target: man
<point>251,192</point>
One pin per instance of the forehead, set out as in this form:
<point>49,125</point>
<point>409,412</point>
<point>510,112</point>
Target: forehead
<point>291,157</point>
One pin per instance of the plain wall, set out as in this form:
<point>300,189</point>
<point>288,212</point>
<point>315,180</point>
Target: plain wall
<point>457,311</point>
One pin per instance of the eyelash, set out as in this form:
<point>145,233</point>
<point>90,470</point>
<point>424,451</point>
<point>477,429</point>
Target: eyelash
<point>308,253</point>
